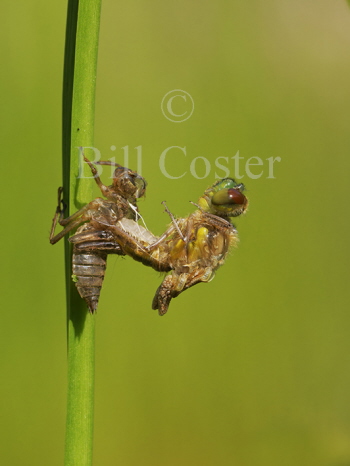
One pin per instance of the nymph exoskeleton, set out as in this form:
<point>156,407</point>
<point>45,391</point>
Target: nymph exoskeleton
<point>92,242</point>
<point>193,248</point>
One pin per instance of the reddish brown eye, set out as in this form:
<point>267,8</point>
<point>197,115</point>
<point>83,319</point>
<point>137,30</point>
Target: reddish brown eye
<point>228,197</point>
<point>236,196</point>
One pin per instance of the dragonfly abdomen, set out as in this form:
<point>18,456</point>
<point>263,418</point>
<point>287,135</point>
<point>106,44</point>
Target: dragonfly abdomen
<point>88,273</point>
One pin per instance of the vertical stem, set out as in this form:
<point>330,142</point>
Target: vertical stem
<point>80,64</point>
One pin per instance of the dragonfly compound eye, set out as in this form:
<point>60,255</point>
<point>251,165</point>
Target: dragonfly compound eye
<point>228,197</point>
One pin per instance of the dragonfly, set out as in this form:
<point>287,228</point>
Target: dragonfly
<point>191,248</point>
<point>91,241</point>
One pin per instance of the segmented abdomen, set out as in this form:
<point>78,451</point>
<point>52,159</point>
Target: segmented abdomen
<point>88,272</point>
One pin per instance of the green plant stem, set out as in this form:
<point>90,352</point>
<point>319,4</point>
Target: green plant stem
<point>80,63</point>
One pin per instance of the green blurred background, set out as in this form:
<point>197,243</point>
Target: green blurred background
<point>253,368</point>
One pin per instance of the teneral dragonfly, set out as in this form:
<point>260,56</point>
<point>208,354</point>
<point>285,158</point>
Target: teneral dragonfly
<point>192,248</point>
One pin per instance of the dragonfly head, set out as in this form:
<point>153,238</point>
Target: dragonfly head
<point>225,199</point>
<point>128,183</point>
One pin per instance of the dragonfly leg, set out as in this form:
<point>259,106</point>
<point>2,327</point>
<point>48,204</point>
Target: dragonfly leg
<point>69,227</point>
<point>58,213</point>
<point>104,189</point>
<point>70,222</point>
<point>161,239</point>
<point>173,220</point>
